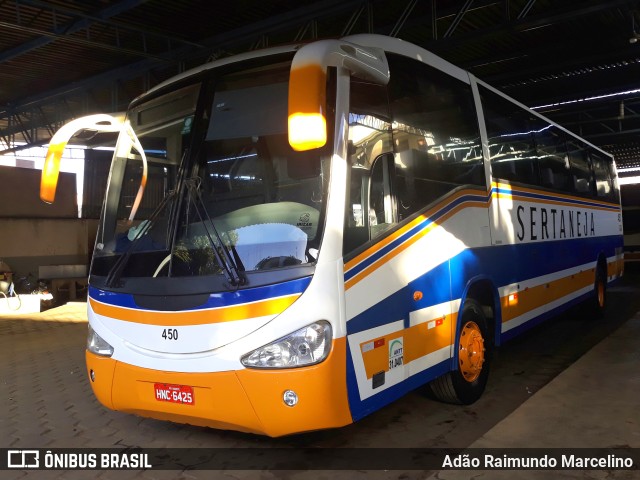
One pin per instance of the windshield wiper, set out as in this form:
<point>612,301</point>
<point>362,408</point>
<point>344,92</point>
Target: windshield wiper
<point>118,267</point>
<point>232,267</point>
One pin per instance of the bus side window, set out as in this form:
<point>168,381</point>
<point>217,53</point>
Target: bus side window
<point>381,203</point>
<point>369,205</point>
<point>603,178</point>
<point>435,134</point>
<point>580,169</point>
<point>553,162</point>
<point>511,144</point>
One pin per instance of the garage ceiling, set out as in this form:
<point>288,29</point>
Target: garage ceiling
<point>578,60</point>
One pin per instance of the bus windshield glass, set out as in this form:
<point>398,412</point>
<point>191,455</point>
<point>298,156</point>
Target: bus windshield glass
<point>225,194</point>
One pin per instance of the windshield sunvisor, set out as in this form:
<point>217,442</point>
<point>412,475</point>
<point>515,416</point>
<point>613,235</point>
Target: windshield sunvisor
<point>223,318</point>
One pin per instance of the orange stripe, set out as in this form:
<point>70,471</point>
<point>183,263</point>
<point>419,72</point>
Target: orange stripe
<point>548,202</point>
<point>385,241</point>
<point>418,341</point>
<point>422,340</point>
<point>381,261</point>
<point>544,192</point>
<point>534,297</point>
<point>196,317</point>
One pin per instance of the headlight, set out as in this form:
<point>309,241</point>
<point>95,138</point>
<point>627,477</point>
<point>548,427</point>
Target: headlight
<point>97,345</point>
<point>306,346</point>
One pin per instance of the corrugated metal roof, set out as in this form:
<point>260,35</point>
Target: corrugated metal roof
<point>63,58</point>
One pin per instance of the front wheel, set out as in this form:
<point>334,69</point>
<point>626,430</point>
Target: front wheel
<point>467,382</point>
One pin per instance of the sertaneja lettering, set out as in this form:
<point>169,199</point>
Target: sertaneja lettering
<point>542,223</point>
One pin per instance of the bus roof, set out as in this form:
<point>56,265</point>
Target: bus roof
<point>219,63</point>
<point>389,44</point>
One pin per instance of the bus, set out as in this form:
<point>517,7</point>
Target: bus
<point>295,237</point>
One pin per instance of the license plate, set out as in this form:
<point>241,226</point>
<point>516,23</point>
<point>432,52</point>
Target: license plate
<point>174,393</point>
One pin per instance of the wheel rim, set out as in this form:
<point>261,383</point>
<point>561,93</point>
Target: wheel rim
<point>471,351</point>
<point>600,293</point>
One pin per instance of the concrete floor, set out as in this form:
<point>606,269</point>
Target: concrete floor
<point>571,382</point>
<point>593,404</point>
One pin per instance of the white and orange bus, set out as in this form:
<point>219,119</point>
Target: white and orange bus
<point>295,237</point>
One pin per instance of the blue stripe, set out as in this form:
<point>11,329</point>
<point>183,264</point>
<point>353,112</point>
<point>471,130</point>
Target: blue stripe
<point>388,248</point>
<point>434,284</point>
<point>502,265</point>
<point>542,196</point>
<point>361,408</point>
<point>514,332</point>
<point>374,257</point>
<point>218,299</point>
<point>410,233</point>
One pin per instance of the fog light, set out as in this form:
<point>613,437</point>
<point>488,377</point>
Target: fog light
<point>290,398</point>
<point>92,375</point>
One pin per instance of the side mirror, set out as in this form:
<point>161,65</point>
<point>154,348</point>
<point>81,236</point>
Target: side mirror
<point>308,85</point>
<point>51,169</point>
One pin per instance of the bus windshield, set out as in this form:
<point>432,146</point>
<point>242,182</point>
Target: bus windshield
<point>225,193</point>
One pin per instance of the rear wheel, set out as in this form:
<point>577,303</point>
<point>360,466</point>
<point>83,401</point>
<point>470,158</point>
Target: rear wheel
<point>465,384</point>
<point>600,292</point>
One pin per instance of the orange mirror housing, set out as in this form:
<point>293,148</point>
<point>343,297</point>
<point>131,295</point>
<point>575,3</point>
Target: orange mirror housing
<point>307,122</point>
<point>307,107</point>
<point>51,168</point>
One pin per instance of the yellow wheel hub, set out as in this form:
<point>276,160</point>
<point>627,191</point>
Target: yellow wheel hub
<point>601,294</point>
<point>471,351</point>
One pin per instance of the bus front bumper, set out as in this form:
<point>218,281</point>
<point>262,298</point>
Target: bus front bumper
<point>248,400</point>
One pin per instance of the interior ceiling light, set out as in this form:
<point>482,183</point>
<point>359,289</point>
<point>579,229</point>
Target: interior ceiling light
<point>572,73</point>
<point>635,36</point>
<point>588,99</point>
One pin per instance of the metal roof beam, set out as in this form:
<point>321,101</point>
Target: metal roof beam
<point>105,17</point>
<point>353,20</point>
<point>557,15</point>
<point>66,38</point>
<point>63,30</point>
<point>253,31</point>
<point>84,22</point>
<point>406,13</point>
<point>526,9</point>
<point>456,21</point>
<point>283,21</point>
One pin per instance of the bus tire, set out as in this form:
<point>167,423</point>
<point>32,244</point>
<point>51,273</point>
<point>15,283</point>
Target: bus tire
<point>600,291</point>
<point>467,382</point>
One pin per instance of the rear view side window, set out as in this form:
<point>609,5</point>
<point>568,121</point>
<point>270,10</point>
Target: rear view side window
<point>553,162</point>
<point>603,177</point>
<point>435,134</point>
<point>530,150</point>
<point>511,139</point>
<point>580,169</point>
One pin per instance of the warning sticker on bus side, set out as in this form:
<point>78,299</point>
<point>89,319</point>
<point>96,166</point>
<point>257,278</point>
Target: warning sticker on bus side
<point>396,353</point>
